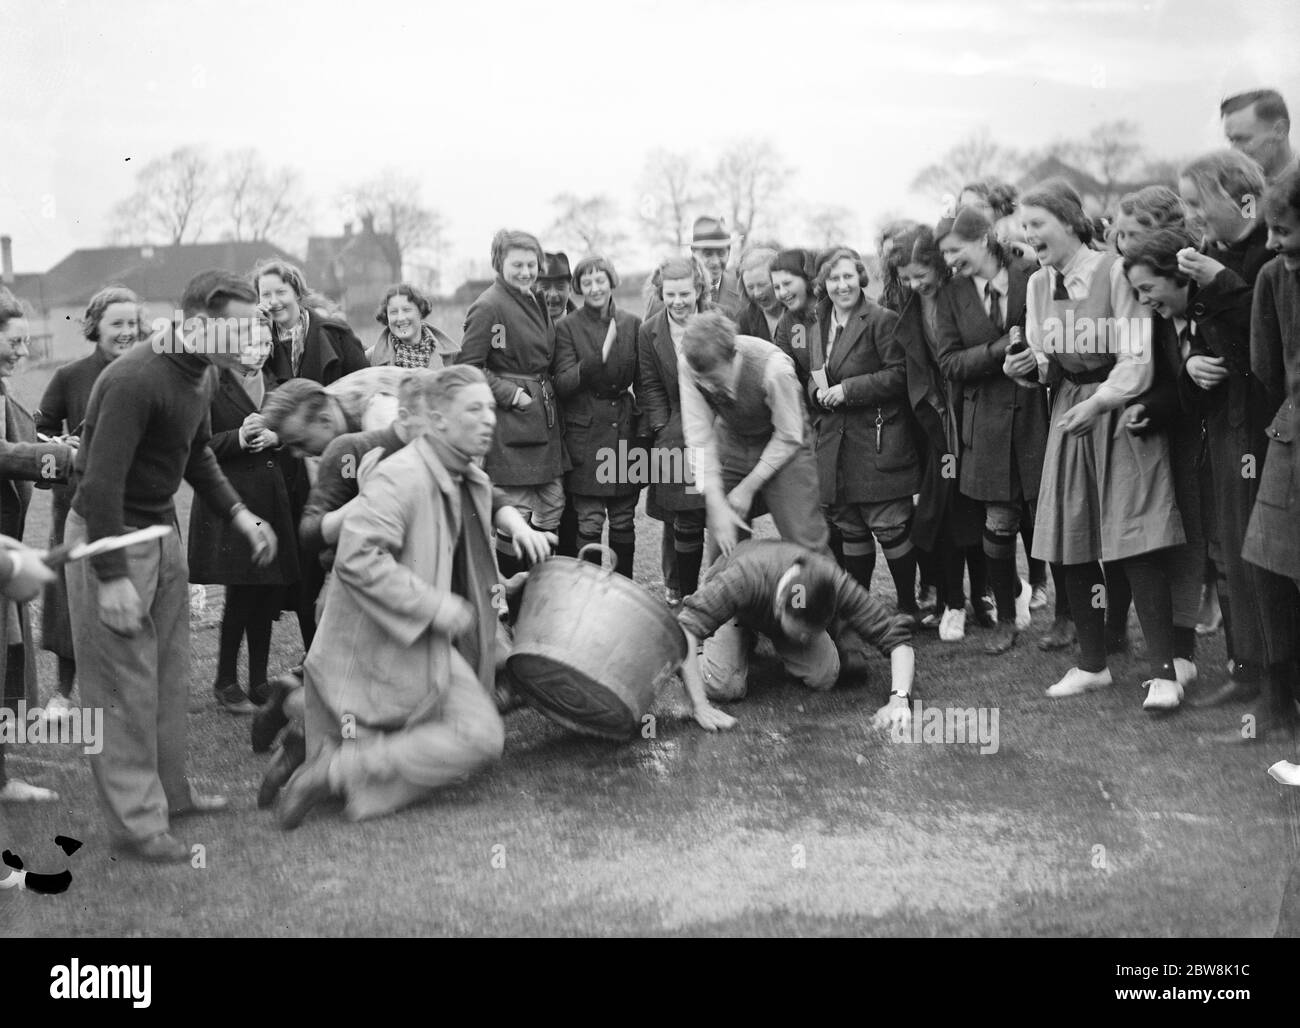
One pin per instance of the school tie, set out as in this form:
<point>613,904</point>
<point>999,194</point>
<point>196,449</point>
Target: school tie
<point>835,334</point>
<point>1060,292</point>
<point>992,299</point>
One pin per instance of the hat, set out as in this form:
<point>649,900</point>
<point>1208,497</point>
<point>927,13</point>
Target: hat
<point>796,262</point>
<point>710,233</point>
<point>967,223</point>
<point>556,265</point>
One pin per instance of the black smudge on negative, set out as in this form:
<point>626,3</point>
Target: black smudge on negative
<point>67,844</point>
<point>49,885</point>
<point>12,859</point>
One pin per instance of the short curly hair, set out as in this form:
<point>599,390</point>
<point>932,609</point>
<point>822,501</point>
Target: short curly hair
<point>680,267</point>
<point>99,304</point>
<point>411,293</point>
<point>290,274</point>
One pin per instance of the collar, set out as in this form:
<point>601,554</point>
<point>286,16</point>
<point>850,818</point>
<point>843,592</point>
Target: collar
<point>1001,282</point>
<point>1077,264</point>
<point>442,475</point>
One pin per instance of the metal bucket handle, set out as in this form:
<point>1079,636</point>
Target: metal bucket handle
<point>605,551</point>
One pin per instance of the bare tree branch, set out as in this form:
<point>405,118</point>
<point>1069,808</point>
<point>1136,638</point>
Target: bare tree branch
<point>749,180</point>
<point>670,191</point>
<point>171,199</point>
<point>587,224</point>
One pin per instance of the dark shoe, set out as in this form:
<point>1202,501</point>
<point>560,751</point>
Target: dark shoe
<point>1061,636</point>
<point>232,700</point>
<point>1002,639</point>
<point>507,693</point>
<point>270,717</point>
<point>1230,691</point>
<point>163,848</point>
<point>985,611</point>
<point>309,786</point>
<point>259,693</point>
<point>293,752</point>
<point>200,804</point>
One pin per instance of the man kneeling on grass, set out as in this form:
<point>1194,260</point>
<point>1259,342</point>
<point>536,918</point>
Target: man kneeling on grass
<point>399,680</point>
<point>816,615</point>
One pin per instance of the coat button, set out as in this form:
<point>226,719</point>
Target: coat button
<point>270,463</point>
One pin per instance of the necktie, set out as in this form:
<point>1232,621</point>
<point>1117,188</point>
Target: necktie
<point>993,299</point>
<point>835,334</point>
<point>1060,292</point>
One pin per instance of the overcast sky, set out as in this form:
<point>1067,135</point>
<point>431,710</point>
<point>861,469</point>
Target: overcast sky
<point>497,105</point>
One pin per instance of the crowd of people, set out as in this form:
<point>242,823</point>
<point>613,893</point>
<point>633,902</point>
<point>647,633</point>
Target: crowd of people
<point>1119,394</point>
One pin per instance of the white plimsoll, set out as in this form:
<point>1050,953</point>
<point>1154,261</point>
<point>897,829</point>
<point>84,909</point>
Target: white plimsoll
<point>1162,694</point>
<point>59,708</point>
<point>1185,670</point>
<point>1076,682</point>
<point>1023,616</point>
<point>1285,772</point>
<point>952,627</point>
<point>24,792</point>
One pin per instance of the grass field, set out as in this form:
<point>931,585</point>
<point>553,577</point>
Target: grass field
<point>1090,819</point>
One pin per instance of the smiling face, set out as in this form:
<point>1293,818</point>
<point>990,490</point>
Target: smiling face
<point>1052,241</point>
<point>467,421</point>
<point>281,302</point>
<point>555,294</point>
<point>14,339</point>
<point>715,261</point>
<point>1157,293</point>
<point>843,285</point>
<point>758,287</point>
<point>680,298</point>
<point>118,329</point>
<point>964,256</point>
<point>1214,215</point>
<point>256,347</point>
<point>1284,237</point>
<point>595,288</point>
<point>403,318</point>
<point>519,269</point>
<point>790,289</point>
<point>920,278</point>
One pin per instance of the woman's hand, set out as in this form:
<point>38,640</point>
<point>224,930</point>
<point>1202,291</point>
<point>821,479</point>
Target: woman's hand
<point>1207,372</point>
<point>1137,421</point>
<point>832,397</point>
<point>1079,418</point>
<point>1197,266</point>
<point>522,400</point>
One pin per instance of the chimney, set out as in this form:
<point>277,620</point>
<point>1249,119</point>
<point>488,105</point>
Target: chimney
<point>6,260</point>
<point>368,224</point>
<point>347,229</point>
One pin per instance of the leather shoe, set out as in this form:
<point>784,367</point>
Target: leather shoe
<point>1231,691</point>
<point>200,804</point>
<point>163,848</point>
<point>1060,636</point>
<point>293,752</point>
<point>309,786</point>
<point>233,700</point>
<point>271,717</point>
<point>1002,639</point>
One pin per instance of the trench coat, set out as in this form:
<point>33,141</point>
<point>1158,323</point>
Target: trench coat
<point>659,392</point>
<point>218,554</point>
<point>866,447</point>
<point>1002,423</point>
<point>330,350</point>
<point>509,335</point>
<point>25,463</point>
<point>596,397</point>
<point>382,652</point>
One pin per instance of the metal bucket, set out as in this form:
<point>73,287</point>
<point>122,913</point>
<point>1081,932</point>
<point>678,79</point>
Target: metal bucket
<point>591,649</point>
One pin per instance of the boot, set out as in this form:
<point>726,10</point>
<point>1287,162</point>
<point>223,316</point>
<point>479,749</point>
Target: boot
<point>625,551</point>
<point>861,567</point>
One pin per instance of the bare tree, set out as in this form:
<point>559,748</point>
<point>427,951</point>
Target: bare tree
<point>748,180</point>
<point>977,156</point>
<point>1108,154</point>
<point>392,204</point>
<point>260,202</point>
<point>589,223</point>
<point>171,199</point>
<point>670,191</point>
<point>830,225</point>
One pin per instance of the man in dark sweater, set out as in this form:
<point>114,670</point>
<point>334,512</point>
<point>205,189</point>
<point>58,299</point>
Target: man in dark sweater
<point>816,615</point>
<point>146,429</point>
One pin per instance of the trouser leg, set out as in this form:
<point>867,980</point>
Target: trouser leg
<point>724,662</point>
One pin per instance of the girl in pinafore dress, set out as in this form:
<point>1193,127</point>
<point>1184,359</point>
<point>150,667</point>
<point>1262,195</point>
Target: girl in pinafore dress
<point>1106,494</point>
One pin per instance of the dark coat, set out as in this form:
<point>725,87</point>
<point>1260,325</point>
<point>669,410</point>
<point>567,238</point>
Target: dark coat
<point>23,463</point>
<point>330,351</point>
<point>218,554</point>
<point>729,298</point>
<point>596,397</point>
<point>1273,536</point>
<point>62,410</point>
<point>509,335</point>
<point>660,395</point>
<point>866,448</point>
<point>1002,424</point>
<point>753,322</point>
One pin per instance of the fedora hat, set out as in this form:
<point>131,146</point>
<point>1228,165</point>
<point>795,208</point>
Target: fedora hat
<point>710,233</point>
<point>556,265</point>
